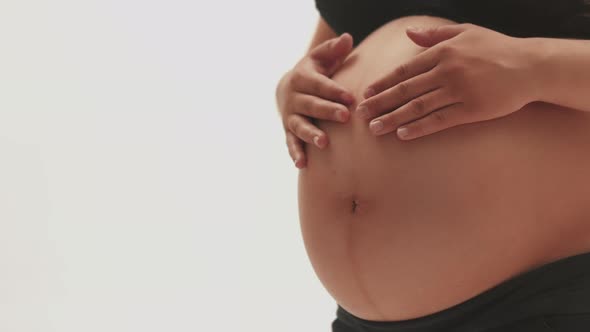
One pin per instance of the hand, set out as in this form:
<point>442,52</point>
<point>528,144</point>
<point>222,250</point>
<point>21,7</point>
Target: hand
<point>307,91</point>
<point>467,74</point>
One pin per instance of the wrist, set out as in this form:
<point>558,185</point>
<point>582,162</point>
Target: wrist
<point>537,54</point>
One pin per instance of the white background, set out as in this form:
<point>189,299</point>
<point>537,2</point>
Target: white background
<point>145,184</point>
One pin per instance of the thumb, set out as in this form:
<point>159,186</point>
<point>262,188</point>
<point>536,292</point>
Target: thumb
<point>332,52</point>
<point>430,36</point>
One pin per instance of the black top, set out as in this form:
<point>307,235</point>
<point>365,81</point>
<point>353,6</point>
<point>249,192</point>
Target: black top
<point>518,18</point>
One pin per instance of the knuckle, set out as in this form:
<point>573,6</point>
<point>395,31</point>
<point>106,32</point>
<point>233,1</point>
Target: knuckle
<point>289,124</point>
<point>313,85</point>
<point>439,116</point>
<point>313,106</point>
<point>417,130</point>
<point>377,87</point>
<point>324,107</point>
<point>391,122</point>
<point>292,147</point>
<point>403,89</point>
<point>367,109</point>
<point>450,69</point>
<point>306,104</point>
<point>297,78</point>
<point>285,107</point>
<point>446,50</point>
<point>287,139</point>
<point>401,70</point>
<point>418,106</point>
<point>292,81</point>
<point>319,87</point>
<point>294,124</point>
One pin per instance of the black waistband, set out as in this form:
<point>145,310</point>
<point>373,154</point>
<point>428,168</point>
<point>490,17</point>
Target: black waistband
<point>559,287</point>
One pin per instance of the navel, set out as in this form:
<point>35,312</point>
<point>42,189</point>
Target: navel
<point>354,205</point>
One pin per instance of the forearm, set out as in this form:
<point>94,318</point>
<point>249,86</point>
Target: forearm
<point>561,71</point>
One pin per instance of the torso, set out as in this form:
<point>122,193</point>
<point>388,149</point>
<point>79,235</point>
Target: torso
<point>400,229</point>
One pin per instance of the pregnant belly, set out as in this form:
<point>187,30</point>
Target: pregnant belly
<point>400,229</point>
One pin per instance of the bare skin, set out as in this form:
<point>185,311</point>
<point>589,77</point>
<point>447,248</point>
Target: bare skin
<point>401,229</point>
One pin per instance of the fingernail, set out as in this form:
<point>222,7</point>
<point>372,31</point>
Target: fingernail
<point>369,92</point>
<point>342,115</point>
<point>316,141</point>
<point>347,97</point>
<point>414,28</point>
<point>375,126</point>
<point>402,131</point>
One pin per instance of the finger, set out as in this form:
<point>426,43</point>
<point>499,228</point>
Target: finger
<point>332,52</point>
<point>421,63</point>
<point>397,95</point>
<point>430,36</point>
<point>305,130</point>
<point>322,86</point>
<point>319,108</point>
<point>438,120</point>
<point>415,109</point>
<point>296,151</point>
